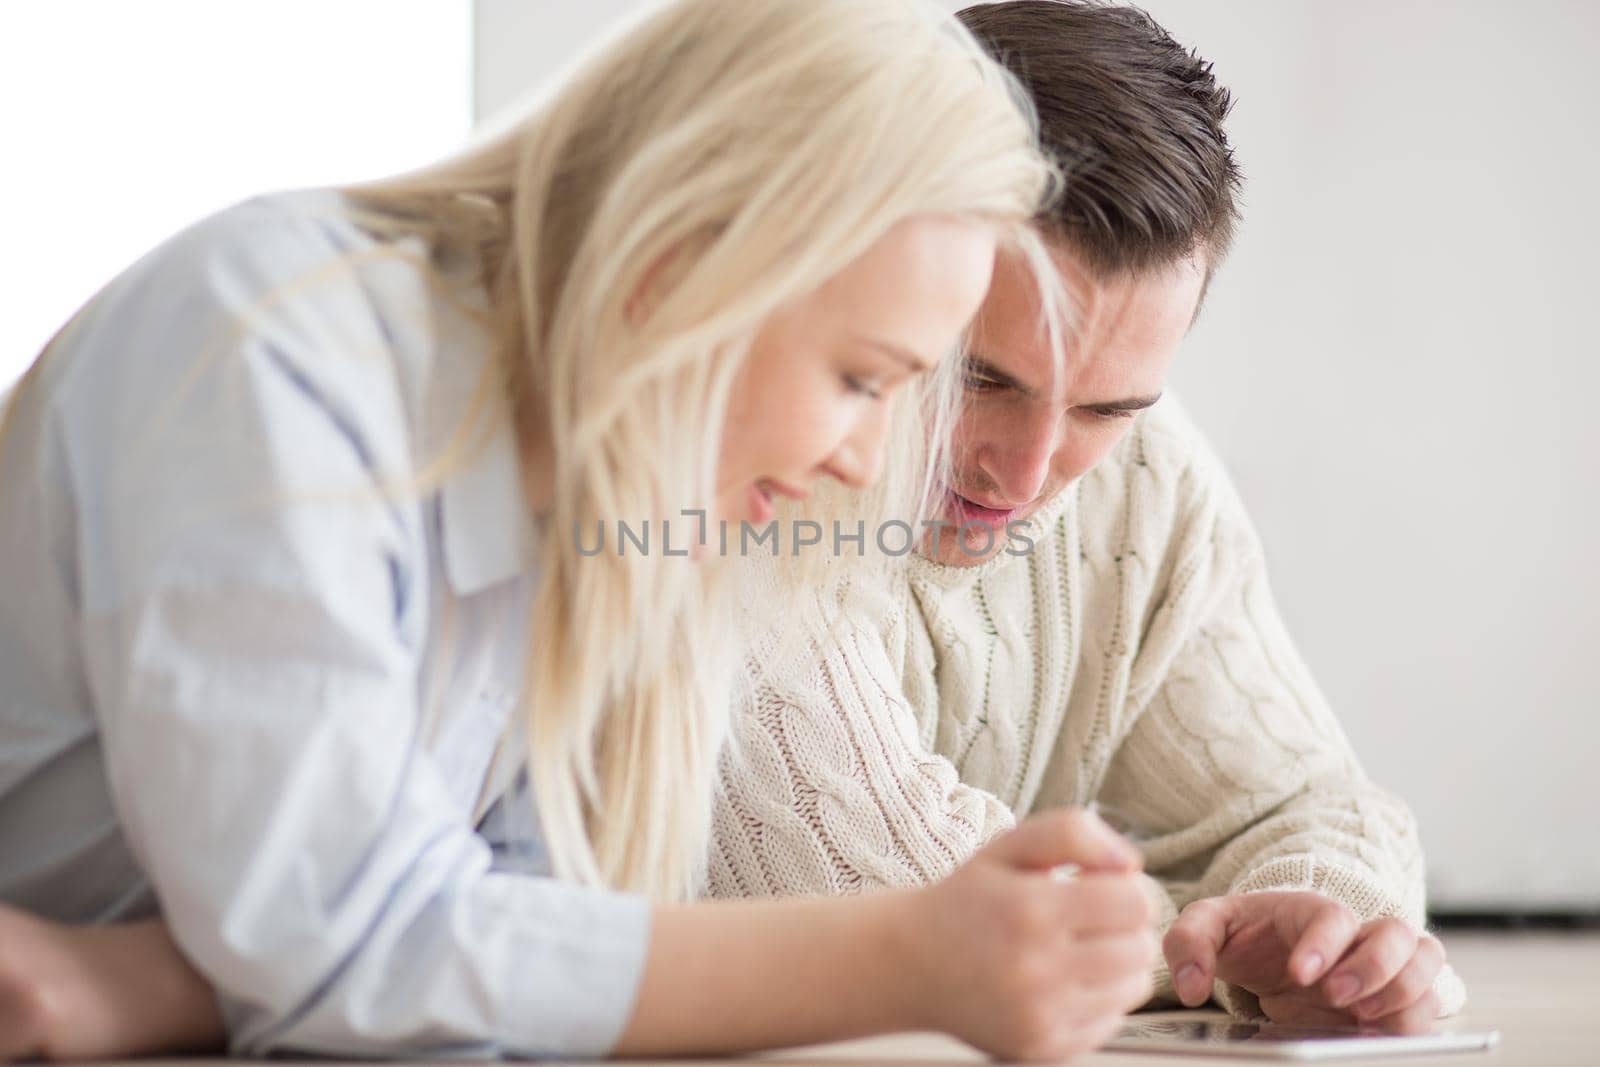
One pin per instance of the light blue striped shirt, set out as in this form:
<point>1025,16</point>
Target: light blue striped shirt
<point>247,673</point>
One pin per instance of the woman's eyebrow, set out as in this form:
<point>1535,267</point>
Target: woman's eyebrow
<point>916,363</point>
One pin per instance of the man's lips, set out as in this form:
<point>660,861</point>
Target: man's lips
<point>965,511</point>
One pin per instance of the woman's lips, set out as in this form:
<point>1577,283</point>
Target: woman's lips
<point>760,509</point>
<point>965,511</point>
<point>760,506</point>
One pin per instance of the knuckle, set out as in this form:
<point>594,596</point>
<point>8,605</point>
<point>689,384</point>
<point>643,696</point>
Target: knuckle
<point>1395,939</point>
<point>1393,926</point>
<point>1035,1025</point>
<point>1380,1004</point>
<point>31,1017</point>
<point>1034,977</point>
<point>1027,916</point>
<point>1098,1031</point>
<point>1138,989</point>
<point>1137,951</point>
<point>1118,957</point>
<point>1077,818</point>
<point>1411,986</point>
<point>1120,895</point>
<point>1342,915</point>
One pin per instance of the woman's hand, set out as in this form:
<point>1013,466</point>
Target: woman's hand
<point>1025,964</point>
<point>99,992</point>
<point>1003,954</point>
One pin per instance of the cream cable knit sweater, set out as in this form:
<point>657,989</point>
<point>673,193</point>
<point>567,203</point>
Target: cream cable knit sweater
<point>1133,662</point>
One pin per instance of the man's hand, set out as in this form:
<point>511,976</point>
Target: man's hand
<point>1308,959</point>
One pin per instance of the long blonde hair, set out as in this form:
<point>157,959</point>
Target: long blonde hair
<point>730,155</point>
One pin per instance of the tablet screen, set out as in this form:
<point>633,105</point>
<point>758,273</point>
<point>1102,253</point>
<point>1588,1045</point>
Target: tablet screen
<point>1269,1041</point>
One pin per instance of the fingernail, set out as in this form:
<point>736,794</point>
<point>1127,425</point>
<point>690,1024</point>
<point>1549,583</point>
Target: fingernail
<point>1342,990</point>
<point>1311,968</point>
<point>1367,1007</point>
<point>1188,981</point>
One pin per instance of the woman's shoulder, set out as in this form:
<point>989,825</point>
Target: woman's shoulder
<point>272,260</point>
<point>253,332</point>
<point>287,282</point>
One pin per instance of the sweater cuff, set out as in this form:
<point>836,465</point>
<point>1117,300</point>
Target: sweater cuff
<point>1162,993</point>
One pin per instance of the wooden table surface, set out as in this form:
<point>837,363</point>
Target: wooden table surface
<point>1540,990</point>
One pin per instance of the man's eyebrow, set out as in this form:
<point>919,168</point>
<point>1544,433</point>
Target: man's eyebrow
<point>980,367</point>
<point>1132,403</point>
<point>916,363</point>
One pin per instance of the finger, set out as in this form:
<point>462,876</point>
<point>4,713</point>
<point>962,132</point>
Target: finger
<point>1299,1007</point>
<point>1113,957</point>
<point>1118,998</point>
<point>1191,948</point>
<point>1407,987</point>
<point>1416,1019</point>
<point>1323,940</point>
<point>1069,835</point>
<point>1381,948</point>
<point>1097,903</point>
<point>1097,1031</point>
<point>22,1024</point>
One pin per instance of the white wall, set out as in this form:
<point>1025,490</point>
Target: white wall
<point>122,122</point>
<point>1399,365</point>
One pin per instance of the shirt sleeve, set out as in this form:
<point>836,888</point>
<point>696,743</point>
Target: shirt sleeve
<point>253,591</point>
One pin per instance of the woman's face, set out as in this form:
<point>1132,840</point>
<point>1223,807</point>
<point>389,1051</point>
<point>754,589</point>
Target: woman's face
<point>814,398</point>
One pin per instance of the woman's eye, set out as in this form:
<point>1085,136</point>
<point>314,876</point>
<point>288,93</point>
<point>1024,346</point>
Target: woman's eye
<point>1111,414</point>
<point>980,384</point>
<point>865,388</point>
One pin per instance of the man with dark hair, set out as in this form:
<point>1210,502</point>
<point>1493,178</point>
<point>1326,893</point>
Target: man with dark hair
<point>1133,662</point>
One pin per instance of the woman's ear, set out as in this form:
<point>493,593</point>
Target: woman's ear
<point>657,280</point>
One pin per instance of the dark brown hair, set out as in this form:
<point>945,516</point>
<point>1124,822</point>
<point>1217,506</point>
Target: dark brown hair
<point>1134,120</point>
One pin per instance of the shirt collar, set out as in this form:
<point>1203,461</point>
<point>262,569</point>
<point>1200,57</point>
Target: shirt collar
<point>488,536</point>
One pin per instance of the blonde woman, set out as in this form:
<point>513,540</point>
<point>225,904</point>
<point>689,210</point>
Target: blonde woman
<point>294,518</point>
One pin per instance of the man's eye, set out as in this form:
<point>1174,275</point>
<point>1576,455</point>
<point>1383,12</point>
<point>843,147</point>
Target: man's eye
<point>1109,414</point>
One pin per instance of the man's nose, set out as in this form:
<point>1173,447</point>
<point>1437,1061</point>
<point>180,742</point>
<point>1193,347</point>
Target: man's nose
<point>1018,455</point>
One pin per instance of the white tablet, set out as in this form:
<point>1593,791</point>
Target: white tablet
<point>1221,1037</point>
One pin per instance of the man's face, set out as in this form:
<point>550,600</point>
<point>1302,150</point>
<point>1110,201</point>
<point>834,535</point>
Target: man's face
<point>1025,434</point>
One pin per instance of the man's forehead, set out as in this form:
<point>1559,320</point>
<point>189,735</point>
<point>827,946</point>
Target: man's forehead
<point>1120,333</point>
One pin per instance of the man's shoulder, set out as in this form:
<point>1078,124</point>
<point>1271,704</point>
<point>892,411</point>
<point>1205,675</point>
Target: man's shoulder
<point>1164,459</point>
<point>1161,494</point>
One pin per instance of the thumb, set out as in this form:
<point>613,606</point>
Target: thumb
<point>1191,946</point>
<point>1064,836</point>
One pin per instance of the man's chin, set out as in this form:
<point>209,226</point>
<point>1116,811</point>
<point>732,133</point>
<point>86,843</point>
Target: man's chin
<point>957,546</point>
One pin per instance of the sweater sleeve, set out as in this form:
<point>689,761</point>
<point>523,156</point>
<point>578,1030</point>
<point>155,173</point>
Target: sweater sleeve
<point>1234,774</point>
<point>826,788</point>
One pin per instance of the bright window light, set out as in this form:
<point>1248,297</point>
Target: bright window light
<point>122,122</point>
